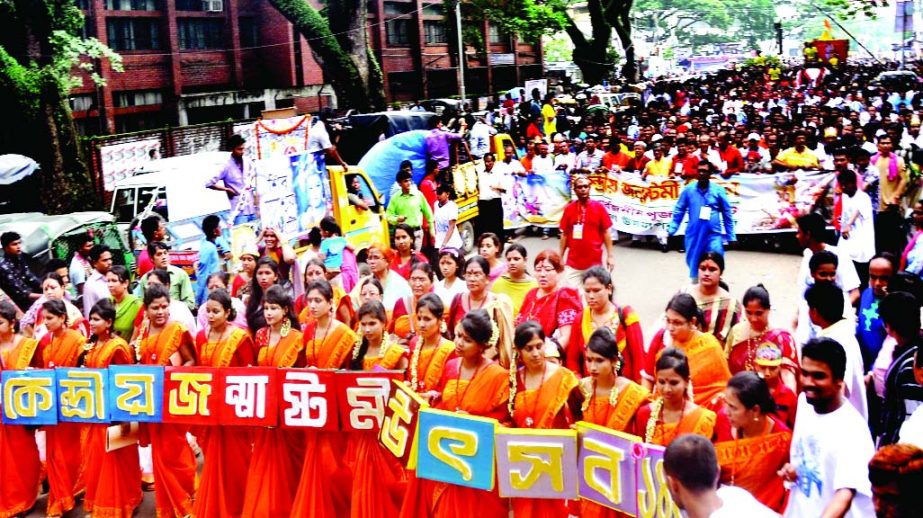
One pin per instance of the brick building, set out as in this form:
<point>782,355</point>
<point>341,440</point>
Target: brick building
<point>194,61</point>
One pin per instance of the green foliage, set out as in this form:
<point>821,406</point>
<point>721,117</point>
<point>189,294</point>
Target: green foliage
<point>847,9</point>
<point>699,22</point>
<point>557,48</point>
<point>529,19</point>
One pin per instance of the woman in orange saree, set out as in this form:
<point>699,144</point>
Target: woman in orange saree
<point>611,400</point>
<point>378,479</point>
<point>761,441</point>
<point>164,342</point>
<point>673,413</point>
<point>403,317</point>
<point>113,478</point>
<point>325,482</point>
<point>20,467</point>
<point>277,452</point>
<point>709,368</point>
<point>543,396</point>
<point>61,347</point>
<point>226,449</point>
<point>315,270</point>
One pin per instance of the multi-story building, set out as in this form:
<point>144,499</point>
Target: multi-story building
<point>193,61</point>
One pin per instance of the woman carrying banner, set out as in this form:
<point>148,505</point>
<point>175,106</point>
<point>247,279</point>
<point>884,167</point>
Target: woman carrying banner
<point>325,481</point>
<point>497,305</point>
<point>272,479</point>
<point>602,312</point>
<point>610,400</point>
<point>20,466</point>
<point>405,256</point>
<point>760,444</point>
<point>543,395</point>
<point>315,270</point>
<point>226,449</point>
<point>746,337</point>
<point>378,479</point>
<point>165,342</point>
<point>127,306</point>
<point>402,318</point>
<point>61,347</point>
<point>673,412</point>
<point>720,311</point>
<point>709,369</point>
<point>113,478</point>
<point>556,307</point>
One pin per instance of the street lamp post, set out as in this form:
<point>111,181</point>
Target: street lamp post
<point>461,52</point>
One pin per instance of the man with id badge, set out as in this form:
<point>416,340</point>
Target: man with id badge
<point>707,205</point>
<point>585,228</point>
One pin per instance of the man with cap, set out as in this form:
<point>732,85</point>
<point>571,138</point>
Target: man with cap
<point>753,146</point>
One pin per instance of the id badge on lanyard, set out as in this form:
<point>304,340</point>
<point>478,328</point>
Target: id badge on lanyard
<point>577,230</point>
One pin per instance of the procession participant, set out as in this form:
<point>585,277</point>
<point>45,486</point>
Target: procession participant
<point>61,347</point>
<point>896,474</point>
<point>406,253</point>
<point>410,208</point>
<point>96,287</point>
<point>265,275</point>
<point>445,215</point>
<point>811,232</point>
<point>79,268</point>
<point>16,278</point>
<point>394,286</point>
<point>113,480</point>
<point>127,305</point>
<point>153,228</point>
<point>709,213</point>
<point>240,286</point>
<point>377,476</point>
<point>403,319</point>
<point>709,369</point>
<point>760,444</point>
<point>20,466</point>
<point>543,396</point>
<point>226,448</point>
<point>451,264</point>
<point>516,282</point>
<point>369,289</point>
<point>902,394</point>
<point>585,230</point>
<point>236,180</point>
<point>673,412</point>
<point>325,481</point>
<point>857,231</point>
<point>601,311</point>
<point>315,270</point>
<point>179,283</point>
<point>491,248</point>
<point>272,245</point>
<point>272,478</point>
<point>720,311</point>
<point>163,341</point>
<point>893,179</point>
<point>429,349</point>
<point>556,307</point>
<point>870,329</point>
<point>749,334</point>
<point>178,311</point>
<point>497,305</point>
<point>214,250</point>
<point>798,156</point>
<point>219,281</point>
<point>32,321</point>
<point>494,180</point>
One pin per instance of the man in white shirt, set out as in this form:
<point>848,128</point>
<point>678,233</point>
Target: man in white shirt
<point>831,444</point>
<point>591,157</point>
<point>825,307</point>
<point>96,286</point>
<point>691,466</point>
<point>912,429</point>
<point>479,138</point>
<point>707,152</point>
<point>857,229</point>
<point>494,180</point>
<point>564,159</point>
<point>542,162</point>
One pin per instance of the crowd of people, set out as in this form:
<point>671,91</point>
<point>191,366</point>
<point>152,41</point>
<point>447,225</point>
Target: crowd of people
<point>816,417</point>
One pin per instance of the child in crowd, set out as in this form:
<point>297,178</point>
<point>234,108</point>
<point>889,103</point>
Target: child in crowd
<point>768,361</point>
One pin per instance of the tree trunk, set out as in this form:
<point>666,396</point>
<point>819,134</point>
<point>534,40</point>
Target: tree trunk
<point>618,15</point>
<point>351,69</point>
<point>67,186</point>
<point>592,55</point>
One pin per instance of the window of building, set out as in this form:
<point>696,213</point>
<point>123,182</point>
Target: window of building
<point>137,98</point>
<point>190,5</point>
<point>397,30</point>
<point>132,5</point>
<point>249,32</point>
<point>497,36</point>
<point>434,32</point>
<point>82,4</point>
<point>81,103</point>
<point>433,10</point>
<point>200,33</point>
<point>133,33</point>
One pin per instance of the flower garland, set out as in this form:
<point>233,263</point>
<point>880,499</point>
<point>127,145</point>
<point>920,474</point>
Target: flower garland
<point>656,408</point>
<point>259,124</point>
<point>511,404</point>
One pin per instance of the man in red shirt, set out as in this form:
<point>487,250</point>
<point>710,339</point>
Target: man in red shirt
<point>685,164</point>
<point>584,230</point>
<point>730,156</point>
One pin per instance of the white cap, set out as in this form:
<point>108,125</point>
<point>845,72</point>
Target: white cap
<point>754,136</point>
<point>656,138</point>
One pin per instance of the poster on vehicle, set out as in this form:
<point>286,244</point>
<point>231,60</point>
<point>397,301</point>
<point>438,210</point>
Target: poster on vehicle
<point>311,184</point>
<point>118,161</point>
<point>278,208</point>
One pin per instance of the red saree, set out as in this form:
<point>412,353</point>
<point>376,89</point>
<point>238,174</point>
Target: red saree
<point>742,345</point>
<point>173,460</point>
<point>753,464</point>
<point>113,478</point>
<point>426,365</point>
<point>277,452</point>
<point>63,455</point>
<point>627,328</point>
<point>20,467</point>
<point>560,308</point>
<point>226,449</point>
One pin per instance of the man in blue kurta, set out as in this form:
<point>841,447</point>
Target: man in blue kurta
<point>707,205</point>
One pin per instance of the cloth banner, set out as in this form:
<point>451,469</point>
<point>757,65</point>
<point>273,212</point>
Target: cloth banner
<point>118,161</point>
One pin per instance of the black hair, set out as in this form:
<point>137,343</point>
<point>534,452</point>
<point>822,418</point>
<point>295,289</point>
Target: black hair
<point>829,352</point>
<point>493,237</point>
<point>456,256</point>
<point>827,299</point>
<point>600,274</point>
<point>752,390</point>
<point>446,188</point>
<point>812,224</point>
<point>516,247</point>
<point>891,258</point>
<point>55,277</point>
<point>403,175</point>
<point>847,176</point>
<point>103,309</point>
<point>821,258</point>
<point>674,359</point>
<point>478,325</point>
<point>314,261</point>
<point>526,331</point>
<point>56,308</point>
<point>714,257</point>
<point>154,292</point>
<point>480,261</point>
<point>431,166</point>
<point>8,312</point>
<point>279,296</point>
<point>9,237</point>
<point>162,275</point>
<point>374,282</point>
<point>407,229</point>
<point>691,460</point>
<point>907,282</point>
<point>55,264</point>
<point>377,311</point>
<point>255,319</point>
<point>425,268</point>
<point>433,303</point>
<point>96,252</point>
<point>917,357</point>
<point>329,225</point>
<point>323,287</point>
<point>154,246</point>
<point>235,140</point>
<point>687,307</point>
<point>149,225</point>
<point>224,277</point>
<point>900,311</point>
<point>209,224</point>
<point>604,343</point>
<point>120,272</point>
<point>758,293</point>
<point>314,237</point>
<point>221,296</point>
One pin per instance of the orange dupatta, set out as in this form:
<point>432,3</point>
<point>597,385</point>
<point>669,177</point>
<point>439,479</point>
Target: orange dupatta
<point>753,463</point>
<point>620,417</point>
<point>700,421</point>
<point>20,467</point>
<point>113,478</point>
<point>335,346</point>
<point>708,370</point>
<point>428,365</point>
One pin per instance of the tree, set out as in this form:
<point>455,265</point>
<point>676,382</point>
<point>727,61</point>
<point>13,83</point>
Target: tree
<point>340,44</point>
<point>847,9</point>
<point>694,23</point>
<point>40,51</point>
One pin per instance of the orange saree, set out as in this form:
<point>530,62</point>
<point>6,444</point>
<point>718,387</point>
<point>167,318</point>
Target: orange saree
<point>545,408</point>
<point>226,449</point>
<point>700,421</point>
<point>173,460</point>
<point>753,464</point>
<point>426,365</point>
<point>20,467</point>
<point>277,452</point>
<point>708,368</point>
<point>63,455</point>
<point>113,478</point>
<point>324,484</point>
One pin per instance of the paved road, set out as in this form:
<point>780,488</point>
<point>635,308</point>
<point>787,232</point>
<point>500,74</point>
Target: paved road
<point>646,279</point>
